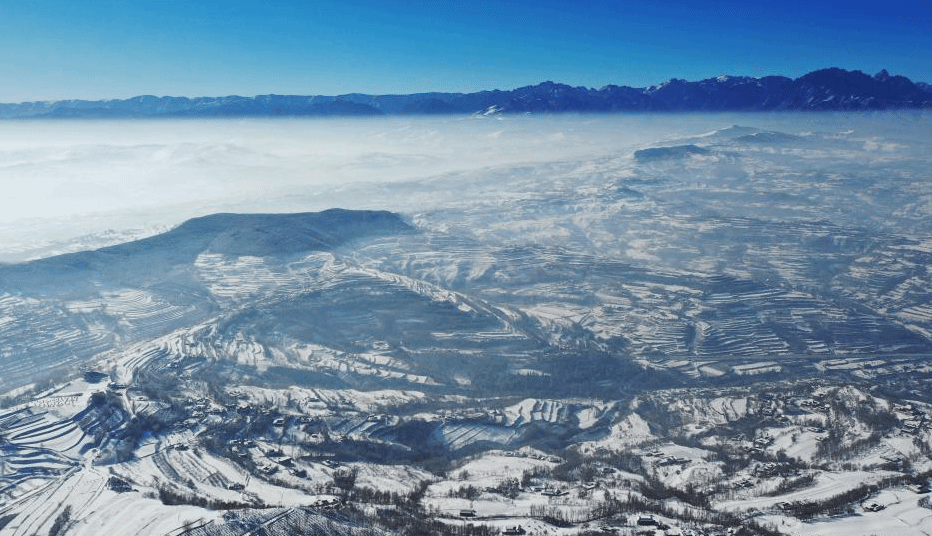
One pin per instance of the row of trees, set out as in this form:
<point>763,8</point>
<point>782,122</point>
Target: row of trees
<point>61,522</point>
<point>171,496</point>
<point>792,484</point>
<point>841,503</point>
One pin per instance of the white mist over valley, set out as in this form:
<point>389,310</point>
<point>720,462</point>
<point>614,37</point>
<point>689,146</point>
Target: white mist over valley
<point>99,175</point>
<point>102,181</point>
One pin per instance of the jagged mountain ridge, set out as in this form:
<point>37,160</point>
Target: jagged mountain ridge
<point>825,89</point>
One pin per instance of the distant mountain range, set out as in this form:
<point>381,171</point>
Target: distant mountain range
<point>826,89</point>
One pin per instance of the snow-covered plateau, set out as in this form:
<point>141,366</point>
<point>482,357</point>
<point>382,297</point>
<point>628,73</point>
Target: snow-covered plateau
<point>699,324</point>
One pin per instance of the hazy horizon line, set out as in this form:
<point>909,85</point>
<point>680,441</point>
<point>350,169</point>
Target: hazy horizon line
<point>436,92</point>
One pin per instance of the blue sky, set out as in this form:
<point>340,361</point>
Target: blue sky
<point>52,49</point>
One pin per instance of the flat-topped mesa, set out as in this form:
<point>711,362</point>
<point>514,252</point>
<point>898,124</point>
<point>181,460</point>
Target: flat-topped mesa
<point>149,259</point>
<point>269,234</point>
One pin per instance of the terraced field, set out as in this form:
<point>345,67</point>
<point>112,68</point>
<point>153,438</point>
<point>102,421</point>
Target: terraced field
<point>734,253</point>
<point>247,358</point>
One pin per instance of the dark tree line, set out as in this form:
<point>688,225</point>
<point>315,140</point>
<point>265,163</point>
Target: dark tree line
<point>842,502</point>
<point>61,521</point>
<point>172,497</point>
<point>792,484</point>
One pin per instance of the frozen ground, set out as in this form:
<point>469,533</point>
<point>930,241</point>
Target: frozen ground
<point>570,320</point>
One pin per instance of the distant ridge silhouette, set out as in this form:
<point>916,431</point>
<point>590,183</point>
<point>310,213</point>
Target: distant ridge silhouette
<point>825,89</point>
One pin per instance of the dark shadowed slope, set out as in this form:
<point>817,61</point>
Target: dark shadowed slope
<point>62,312</point>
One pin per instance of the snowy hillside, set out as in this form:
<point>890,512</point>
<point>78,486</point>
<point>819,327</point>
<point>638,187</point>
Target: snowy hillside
<point>723,329</point>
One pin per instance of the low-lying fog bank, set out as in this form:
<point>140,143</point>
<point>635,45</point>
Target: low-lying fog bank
<point>72,185</point>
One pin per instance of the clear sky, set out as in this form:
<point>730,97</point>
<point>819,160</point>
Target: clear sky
<point>60,49</point>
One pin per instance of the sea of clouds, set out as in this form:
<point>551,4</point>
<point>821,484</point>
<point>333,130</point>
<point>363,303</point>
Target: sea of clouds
<point>75,184</point>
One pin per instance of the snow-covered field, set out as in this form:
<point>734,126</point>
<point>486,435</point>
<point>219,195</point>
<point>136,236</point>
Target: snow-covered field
<point>554,331</point>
